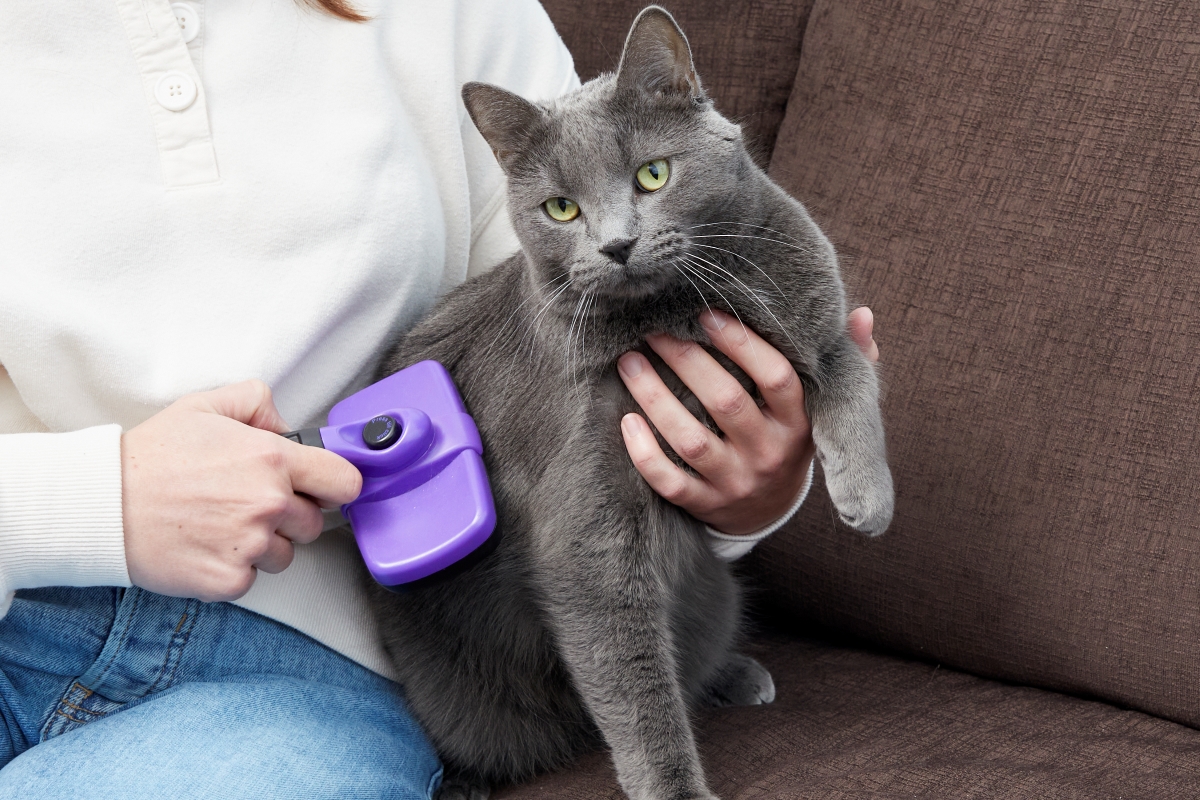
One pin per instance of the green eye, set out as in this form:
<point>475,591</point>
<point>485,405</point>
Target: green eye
<point>652,175</point>
<point>562,209</point>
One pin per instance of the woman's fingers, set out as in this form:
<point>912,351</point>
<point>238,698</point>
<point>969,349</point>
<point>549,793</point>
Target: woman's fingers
<point>664,477</point>
<point>770,370</point>
<point>301,521</point>
<point>321,474</point>
<point>730,405</point>
<point>278,555</point>
<point>748,478</point>
<point>249,402</point>
<point>694,443</point>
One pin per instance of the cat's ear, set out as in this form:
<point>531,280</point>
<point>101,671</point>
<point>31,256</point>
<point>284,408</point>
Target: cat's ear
<point>657,57</point>
<point>505,119</point>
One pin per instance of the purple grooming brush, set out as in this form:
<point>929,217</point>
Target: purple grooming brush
<point>425,503</point>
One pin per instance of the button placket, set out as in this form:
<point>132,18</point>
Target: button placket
<point>157,31</point>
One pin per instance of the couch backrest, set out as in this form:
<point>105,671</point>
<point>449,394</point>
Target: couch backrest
<point>1014,187</point>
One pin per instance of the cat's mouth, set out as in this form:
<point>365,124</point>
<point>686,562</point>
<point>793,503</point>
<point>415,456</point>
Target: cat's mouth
<point>631,281</point>
<point>647,269</point>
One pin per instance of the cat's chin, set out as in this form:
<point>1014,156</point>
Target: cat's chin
<point>627,284</point>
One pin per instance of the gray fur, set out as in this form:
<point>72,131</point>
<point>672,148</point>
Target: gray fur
<point>741,682</point>
<point>603,616</point>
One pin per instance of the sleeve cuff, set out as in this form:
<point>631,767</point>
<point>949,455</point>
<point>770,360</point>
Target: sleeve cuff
<point>729,547</point>
<point>60,509</point>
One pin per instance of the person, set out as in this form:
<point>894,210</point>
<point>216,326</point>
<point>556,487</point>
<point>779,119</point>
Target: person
<point>200,200</point>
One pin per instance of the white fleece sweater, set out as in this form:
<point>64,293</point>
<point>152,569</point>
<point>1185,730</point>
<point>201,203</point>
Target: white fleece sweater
<point>261,191</point>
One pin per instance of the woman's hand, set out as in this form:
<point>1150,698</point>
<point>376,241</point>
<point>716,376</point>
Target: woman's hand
<point>210,493</point>
<point>752,475</point>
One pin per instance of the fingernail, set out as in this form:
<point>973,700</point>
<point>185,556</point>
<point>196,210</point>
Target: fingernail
<point>630,365</point>
<point>629,425</point>
<point>713,320</point>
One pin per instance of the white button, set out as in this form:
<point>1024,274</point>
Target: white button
<point>189,20</point>
<point>175,91</point>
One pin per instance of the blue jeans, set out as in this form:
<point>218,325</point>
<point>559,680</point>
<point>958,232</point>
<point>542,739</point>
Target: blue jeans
<point>122,693</point>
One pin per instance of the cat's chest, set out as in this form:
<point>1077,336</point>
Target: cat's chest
<point>556,429</point>
<point>560,430</point>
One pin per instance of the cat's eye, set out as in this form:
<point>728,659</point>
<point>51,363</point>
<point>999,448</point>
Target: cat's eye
<point>563,209</point>
<point>652,175</point>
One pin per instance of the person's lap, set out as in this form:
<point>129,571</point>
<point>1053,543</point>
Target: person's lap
<point>135,695</point>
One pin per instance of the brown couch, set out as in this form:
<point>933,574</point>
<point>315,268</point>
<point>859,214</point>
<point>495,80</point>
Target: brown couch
<point>1014,187</point>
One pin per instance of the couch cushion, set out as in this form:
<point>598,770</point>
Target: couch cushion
<point>855,725</point>
<point>1015,189</point>
<point>746,52</point>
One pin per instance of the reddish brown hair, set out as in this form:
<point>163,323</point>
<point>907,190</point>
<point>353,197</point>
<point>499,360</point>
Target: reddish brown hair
<point>339,8</point>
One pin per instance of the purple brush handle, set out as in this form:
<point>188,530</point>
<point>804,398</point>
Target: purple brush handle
<point>425,502</point>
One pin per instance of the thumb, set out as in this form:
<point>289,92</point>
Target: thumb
<point>248,402</point>
<point>861,323</point>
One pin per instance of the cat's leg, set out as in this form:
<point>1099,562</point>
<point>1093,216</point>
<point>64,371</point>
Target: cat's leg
<point>459,786</point>
<point>623,669</point>
<point>742,681</point>
<point>843,405</point>
<point>608,616</point>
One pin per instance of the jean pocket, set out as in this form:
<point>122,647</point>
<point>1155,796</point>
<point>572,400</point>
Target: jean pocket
<point>78,706</point>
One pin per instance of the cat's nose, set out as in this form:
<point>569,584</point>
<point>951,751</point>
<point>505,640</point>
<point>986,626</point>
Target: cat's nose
<point>618,249</point>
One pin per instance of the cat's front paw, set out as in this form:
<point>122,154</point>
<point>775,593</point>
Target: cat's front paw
<point>864,498</point>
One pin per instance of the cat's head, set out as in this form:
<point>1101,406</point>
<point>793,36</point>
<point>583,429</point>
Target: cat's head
<point>608,184</point>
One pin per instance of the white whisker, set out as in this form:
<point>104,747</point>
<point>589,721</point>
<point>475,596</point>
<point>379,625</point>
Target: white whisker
<point>513,319</point>
<point>583,334</point>
<point>747,225</point>
<point>690,259</point>
<point>703,299</point>
<point>806,250</point>
<point>732,308</point>
<point>748,261</point>
<point>571,337</point>
<point>740,284</point>
<point>537,320</point>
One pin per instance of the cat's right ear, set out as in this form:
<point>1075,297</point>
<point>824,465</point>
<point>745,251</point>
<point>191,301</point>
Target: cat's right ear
<point>506,120</point>
<point>657,56</point>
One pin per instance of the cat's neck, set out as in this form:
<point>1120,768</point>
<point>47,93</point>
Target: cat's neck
<point>587,335</point>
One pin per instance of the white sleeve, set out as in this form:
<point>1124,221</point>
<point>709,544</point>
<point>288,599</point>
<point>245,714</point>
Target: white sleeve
<point>60,510</point>
<point>511,44</point>
<point>495,241</point>
<point>728,547</point>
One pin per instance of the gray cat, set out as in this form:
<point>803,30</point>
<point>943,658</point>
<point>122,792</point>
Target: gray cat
<point>603,615</point>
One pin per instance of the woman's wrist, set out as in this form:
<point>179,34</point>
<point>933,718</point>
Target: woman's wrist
<point>730,547</point>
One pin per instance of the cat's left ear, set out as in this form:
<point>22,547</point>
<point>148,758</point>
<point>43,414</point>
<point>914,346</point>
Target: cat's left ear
<point>506,120</point>
<point>657,56</point>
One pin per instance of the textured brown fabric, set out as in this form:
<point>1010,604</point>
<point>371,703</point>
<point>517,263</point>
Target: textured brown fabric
<point>1015,188</point>
<point>854,725</point>
<point>746,52</point>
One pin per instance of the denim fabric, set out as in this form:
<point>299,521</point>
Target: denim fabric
<point>122,693</point>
